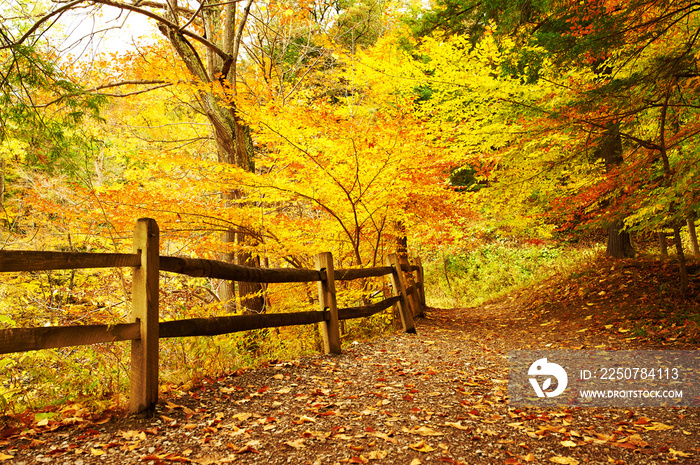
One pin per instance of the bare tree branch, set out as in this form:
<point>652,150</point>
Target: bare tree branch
<point>110,85</point>
<point>41,21</point>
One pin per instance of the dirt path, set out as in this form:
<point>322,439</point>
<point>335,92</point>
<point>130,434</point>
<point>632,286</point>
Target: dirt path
<point>438,397</point>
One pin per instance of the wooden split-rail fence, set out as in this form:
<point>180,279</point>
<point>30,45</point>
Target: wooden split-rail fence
<point>145,329</point>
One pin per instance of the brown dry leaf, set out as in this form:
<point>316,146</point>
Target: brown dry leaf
<point>457,425</point>
<point>421,446</point>
<point>422,431</point>
<point>243,416</point>
<point>564,460</point>
<point>359,459</point>
<point>297,443</point>
<point>568,444</point>
<point>176,458</point>
<point>378,455</point>
<point>637,440</point>
<point>4,457</point>
<point>134,435</point>
<point>656,426</point>
<point>187,410</point>
<point>384,436</point>
<point>416,462</point>
<point>527,458</point>
<point>97,452</point>
<point>247,448</point>
<point>678,453</point>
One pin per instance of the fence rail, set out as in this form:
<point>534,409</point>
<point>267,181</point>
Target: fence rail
<point>145,329</point>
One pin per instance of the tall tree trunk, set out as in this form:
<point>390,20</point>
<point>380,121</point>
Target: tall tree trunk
<point>232,136</point>
<point>662,243</point>
<point>693,236</point>
<point>619,243</point>
<point>610,150</point>
<point>252,294</point>
<point>2,182</point>
<point>681,259</point>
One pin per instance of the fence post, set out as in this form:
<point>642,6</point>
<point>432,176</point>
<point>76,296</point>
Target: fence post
<point>409,283</point>
<point>330,330</point>
<point>144,295</point>
<point>421,281</point>
<point>397,281</point>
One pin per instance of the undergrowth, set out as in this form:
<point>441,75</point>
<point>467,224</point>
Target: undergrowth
<point>469,277</point>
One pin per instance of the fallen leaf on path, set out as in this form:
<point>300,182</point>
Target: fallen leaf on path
<point>421,447</point>
<point>678,453</point>
<point>637,441</point>
<point>564,460</point>
<point>359,459</point>
<point>384,436</point>
<point>656,426</point>
<point>297,443</point>
<point>457,425</point>
<point>242,416</point>
<point>247,448</point>
<point>378,455</point>
<point>422,431</point>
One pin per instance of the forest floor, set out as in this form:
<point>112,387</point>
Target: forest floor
<point>433,398</point>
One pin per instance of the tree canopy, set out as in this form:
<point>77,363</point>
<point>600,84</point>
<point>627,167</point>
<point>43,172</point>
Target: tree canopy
<point>260,131</point>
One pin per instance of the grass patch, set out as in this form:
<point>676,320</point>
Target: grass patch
<point>468,278</point>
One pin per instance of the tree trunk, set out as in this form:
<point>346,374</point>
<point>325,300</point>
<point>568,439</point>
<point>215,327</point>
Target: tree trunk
<point>2,182</point>
<point>227,289</point>
<point>619,242</point>
<point>233,141</point>
<point>681,259</point>
<point>252,294</point>
<point>610,150</point>
<point>662,243</point>
<point>693,236</point>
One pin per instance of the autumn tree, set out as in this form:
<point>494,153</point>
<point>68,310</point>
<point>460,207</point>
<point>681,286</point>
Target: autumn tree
<point>624,71</point>
<point>208,38</point>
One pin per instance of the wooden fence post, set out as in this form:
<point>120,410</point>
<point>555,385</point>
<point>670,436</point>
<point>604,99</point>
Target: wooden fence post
<point>144,295</point>
<point>397,280</point>
<point>421,281</point>
<point>330,330</point>
<point>409,283</point>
